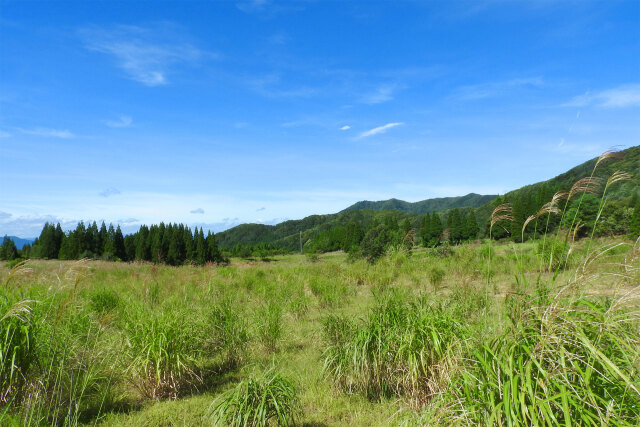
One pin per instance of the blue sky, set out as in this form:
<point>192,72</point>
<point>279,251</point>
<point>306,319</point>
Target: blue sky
<point>216,113</point>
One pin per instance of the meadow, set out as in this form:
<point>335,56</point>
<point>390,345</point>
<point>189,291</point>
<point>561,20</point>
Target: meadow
<point>477,334</point>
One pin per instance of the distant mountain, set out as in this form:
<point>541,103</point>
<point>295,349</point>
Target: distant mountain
<point>471,200</point>
<point>287,234</point>
<point>20,242</point>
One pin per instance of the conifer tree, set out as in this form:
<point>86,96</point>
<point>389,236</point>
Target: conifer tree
<point>213,253</point>
<point>143,244</point>
<point>8,250</point>
<point>425,229</point>
<point>472,225</point>
<point>102,238</point>
<point>118,245</point>
<point>201,247</point>
<point>436,230</point>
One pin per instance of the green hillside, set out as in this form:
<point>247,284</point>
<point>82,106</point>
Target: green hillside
<point>287,234</point>
<point>471,200</point>
<point>626,161</point>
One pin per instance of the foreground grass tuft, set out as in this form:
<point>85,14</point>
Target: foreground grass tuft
<point>258,402</point>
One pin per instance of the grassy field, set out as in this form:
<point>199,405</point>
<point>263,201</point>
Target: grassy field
<point>473,335</point>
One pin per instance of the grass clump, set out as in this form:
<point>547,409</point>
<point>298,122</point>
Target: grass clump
<point>570,363</point>
<point>400,349</point>
<point>164,350</point>
<point>270,398</point>
<point>230,333</point>
<point>269,325</point>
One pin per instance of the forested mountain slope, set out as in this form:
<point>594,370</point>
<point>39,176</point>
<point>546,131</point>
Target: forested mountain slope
<point>471,200</point>
<point>287,234</point>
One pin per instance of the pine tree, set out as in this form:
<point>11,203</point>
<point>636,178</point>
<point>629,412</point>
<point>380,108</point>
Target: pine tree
<point>436,230</point>
<point>143,244</point>
<point>102,238</point>
<point>425,229</point>
<point>201,247</point>
<point>472,225</point>
<point>213,253</point>
<point>189,249</point>
<point>8,250</point>
<point>108,244</point>
<point>130,247</point>
<point>118,245</point>
<point>92,239</point>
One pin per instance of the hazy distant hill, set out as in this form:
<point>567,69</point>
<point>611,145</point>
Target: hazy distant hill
<point>19,242</point>
<point>471,200</point>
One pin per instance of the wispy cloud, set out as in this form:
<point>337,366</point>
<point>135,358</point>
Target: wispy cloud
<point>619,97</point>
<point>379,129</point>
<point>145,54</point>
<point>4,215</point>
<point>492,89</point>
<point>49,133</point>
<point>261,209</point>
<point>270,86</point>
<point>382,93</point>
<point>4,134</point>
<point>575,148</point>
<point>252,5</point>
<point>198,211</point>
<point>109,192</point>
<point>122,122</point>
<point>345,127</point>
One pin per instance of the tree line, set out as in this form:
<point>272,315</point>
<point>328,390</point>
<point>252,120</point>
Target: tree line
<point>172,244</point>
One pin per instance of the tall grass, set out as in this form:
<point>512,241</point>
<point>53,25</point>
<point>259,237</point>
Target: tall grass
<point>165,349</point>
<point>570,363</point>
<point>400,349</point>
<point>258,401</point>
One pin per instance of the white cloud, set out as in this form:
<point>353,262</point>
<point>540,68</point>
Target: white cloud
<point>491,89</point>
<point>271,86</point>
<point>146,55</point>
<point>619,97</point>
<point>122,122</point>
<point>379,129</point>
<point>49,133</point>
<point>382,94</point>
<point>345,127</point>
<point>198,211</point>
<point>109,192</point>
